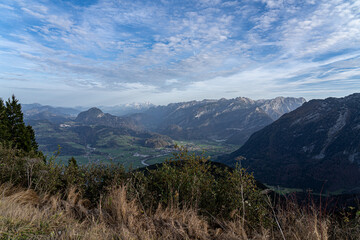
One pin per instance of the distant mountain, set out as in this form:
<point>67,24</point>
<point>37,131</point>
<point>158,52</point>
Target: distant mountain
<point>232,120</point>
<point>92,129</point>
<point>316,146</point>
<point>35,108</point>
<point>46,115</point>
<point>94,116</point>
<point>125,109</point>
<point>277,107</point>
<point>96,119</point>
<point>36,111</point>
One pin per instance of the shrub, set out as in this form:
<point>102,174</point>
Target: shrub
<point>191,181</point>
<point>28,171</point>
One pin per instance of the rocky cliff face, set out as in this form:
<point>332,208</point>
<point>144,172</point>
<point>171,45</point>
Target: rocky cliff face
<point>231,120</point>
<point>277,107</point>
<point>125,109</point>
<point>316,146</point>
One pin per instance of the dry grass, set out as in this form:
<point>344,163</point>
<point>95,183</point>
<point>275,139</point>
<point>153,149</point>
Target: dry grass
<point>26,215</point>
<point>300,223</point>
<point>132,222</point>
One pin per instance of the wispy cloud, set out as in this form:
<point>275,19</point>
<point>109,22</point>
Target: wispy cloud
<point>168,50</point>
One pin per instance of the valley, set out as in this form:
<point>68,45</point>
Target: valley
<point>133,155</point>
<point>109,139</point>
<point>149,135</point>
<point>284,142</point>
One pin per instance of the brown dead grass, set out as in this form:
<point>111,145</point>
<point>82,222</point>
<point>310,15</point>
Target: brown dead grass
<point>301,223</point>
<point>26,215</point>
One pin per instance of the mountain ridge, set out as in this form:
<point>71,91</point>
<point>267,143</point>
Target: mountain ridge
<point>316,146</point>
<point>231,120</point>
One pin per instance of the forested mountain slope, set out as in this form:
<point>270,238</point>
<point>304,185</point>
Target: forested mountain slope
<point>316,146</point>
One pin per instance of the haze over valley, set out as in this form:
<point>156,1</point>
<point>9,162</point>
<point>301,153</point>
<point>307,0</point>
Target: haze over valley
<point>217,126</point>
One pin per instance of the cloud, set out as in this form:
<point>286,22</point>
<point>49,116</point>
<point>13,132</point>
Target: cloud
<point>6,7</point>
<point>208,49</point>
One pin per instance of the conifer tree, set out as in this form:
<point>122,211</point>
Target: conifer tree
<point>3,124</point>
<point>15,131</point>
<point>34,144</point>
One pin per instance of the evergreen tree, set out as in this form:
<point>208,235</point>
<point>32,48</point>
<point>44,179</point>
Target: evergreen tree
<point>72,163</point>
<point>34,144</point>
<point>15,131</point>
<point>3,122</point>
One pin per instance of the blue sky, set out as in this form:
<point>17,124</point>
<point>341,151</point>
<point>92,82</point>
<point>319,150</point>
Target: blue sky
<point>89,53</point>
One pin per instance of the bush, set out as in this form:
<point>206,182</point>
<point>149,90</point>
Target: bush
<point>191,181</point>
<point>185,181</point>
<point>29,171</point>
<point>187,197</point>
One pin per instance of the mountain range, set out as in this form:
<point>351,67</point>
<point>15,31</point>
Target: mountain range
<point>227,120</point>
<point>315,146</point>
<point>126,109</point>
<point>38,111</point>
<point>36,108</point>
<point>92,128</point>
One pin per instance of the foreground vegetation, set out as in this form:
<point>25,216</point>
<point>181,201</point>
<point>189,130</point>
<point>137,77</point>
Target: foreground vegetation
<point>184,198</point>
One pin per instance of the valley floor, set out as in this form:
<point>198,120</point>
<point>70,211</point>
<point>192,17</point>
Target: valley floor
<point>135,156</point>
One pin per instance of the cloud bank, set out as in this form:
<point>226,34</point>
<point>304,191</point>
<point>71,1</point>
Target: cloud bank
<point>112,52</point>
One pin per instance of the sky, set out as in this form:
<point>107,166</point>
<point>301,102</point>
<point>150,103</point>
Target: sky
<point>104,52</point>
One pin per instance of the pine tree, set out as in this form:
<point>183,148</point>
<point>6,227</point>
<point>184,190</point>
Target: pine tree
<point>3,122</point>
<point>34,144</point>
<point>17,133</point>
